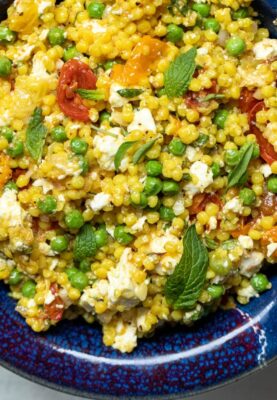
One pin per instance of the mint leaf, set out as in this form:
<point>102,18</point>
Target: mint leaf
<point>212,96</point>
<point>91,94</point>
<point>35,135</point>
<point>129,93</point>
<point>85,243</point>
<point>142,151</point>
<point>178,76</point>
<point>121,152</point>
<point>184,286</point>
<point>241,168</point>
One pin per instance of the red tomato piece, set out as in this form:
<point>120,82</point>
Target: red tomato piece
<point>55,309</point>
<point>247,100</point>
<point>201,200</point>
<point>74,75</point>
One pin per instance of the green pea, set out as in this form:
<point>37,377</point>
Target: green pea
<point>170,188</point>
<point>202,9</point>
<point>79,280</point>
<point>48,205</point>
<point>101,237</point>
<point>122,236</point>
<point>16,149</point>
<point>174,33</point>
<point>166,213</point>
<point>71,271</point>
<point>220,118</point>
<point>256,151</point>
<point>58,134</point>
<point>235,46</point>
<point>153,168</point>
<point>215,169</point>
<point>272,184</point>
<point>11,185</point>
<point>6,35</point>
<point>74,219</point>
<point>29,289</point>
<point>59,244</point>
<point>202,140</point>
<point>96,10</point>
<point>7,133</point>
<point>143,200</point>
<point>215,291</point>
<point>15,277</point>
<point>5,66</point>
<point>247,196</point>
<point>70,52</point>
<point>220,266</point>
<point>104,116</point>
<point>84,165</point>
<point>78,146</point>
<point>152,185</point>
<point>85,266</point>
<point>232,157</point>
<point>212,24</point>
<point>260,283</point>
<point>109,64</point>
<point>56,36</point>
<point>177,147</point>
<point>240,13</point>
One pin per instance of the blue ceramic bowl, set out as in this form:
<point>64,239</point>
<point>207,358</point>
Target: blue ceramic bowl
<point>173,364</point>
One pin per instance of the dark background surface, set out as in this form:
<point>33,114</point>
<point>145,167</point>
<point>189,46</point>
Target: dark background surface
<point>261,385</point>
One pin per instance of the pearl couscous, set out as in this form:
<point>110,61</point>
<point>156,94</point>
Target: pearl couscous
<point>138,161</point>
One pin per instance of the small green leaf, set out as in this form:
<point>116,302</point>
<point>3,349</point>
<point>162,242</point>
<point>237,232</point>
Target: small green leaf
<point>143,150</point>
<point>184,286</point>
<point>129,93</point>
<point>35,135</point>
<point>210,243</point>
<point>85,243</point>
<point>91,94</point>
<point>212,96</point>
<point>241,168</point>
<point>121,152</point>
<point>103,131</point>
<point>178,76</point>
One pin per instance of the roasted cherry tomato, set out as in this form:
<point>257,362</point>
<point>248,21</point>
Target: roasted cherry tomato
<point>250,105</point>
<point>201,200</point>
<point>74,75</point>
<point>55,309</point>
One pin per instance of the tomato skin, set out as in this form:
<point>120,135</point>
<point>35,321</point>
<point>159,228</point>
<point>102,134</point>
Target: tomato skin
<point>74,75</point>
<point>201,200</point>
<point>250,105</point>
<point>55,309</point>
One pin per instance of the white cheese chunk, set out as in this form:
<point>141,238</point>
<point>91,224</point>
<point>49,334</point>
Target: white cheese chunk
<point>11,212</point>
<point>115,99</point>
<point>179,206</point>
<point>158,243</point>
<point>94,25</point>
<point>203,175</point>
<point>212,223</point>
<point>190,153</point>
<point>251,263</point>
<point>108,145</point>
<point>234,205</point>
<point>100,201</point>
<point>138,226</point>
<point>49,298</point>
<point>45,184</point>
<point>248,292</point>
<point>125,337</point>
<point>167,265</point>
<point>38,69</point>
<point>43,5</point>
<point>92,295</point>
<point>265,170</point>
<point>143,121</point>
<point>265,49</point>
<point>246,242</point>
<point>271,248</point>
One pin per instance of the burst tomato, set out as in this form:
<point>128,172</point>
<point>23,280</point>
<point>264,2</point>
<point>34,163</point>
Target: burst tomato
<point>55,309</point>
<point>74,75</point>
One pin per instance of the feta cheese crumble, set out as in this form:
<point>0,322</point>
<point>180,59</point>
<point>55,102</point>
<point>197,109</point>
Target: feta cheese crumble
<point>271,248</point>
<point>246,242</point>
<point>115,99</point>
<point>265,49</point>
<point>251,263</point>
<point>143,121</point>
<point>203,175</point>
<point>107,146</point>
<point>100,201</point>
<point>234,205</point>
<point>11,212</point>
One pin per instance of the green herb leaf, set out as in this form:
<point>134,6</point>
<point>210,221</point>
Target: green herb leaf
<point>176,6</point>
<point>129,93</point>
<point>184,286</point>
<point>103,131</point>
<point>241,168</point>
<point>212,96</point>
<point>210,243</point>
<point>143,150</point>
<point>202,139</point>
<point>91,94</point>
<point>121,152</point>
<point>85,243</point>
<point>35,135</point>
<point>178,76</point>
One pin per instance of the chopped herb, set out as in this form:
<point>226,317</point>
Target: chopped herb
<point>143,150</point>
<point>184,286</point>
<point>130,93</point>
<point>212,96</point>
<point>241,168</point>
<point>100,130</point>
<point>179,74</point>
<point>91,94</point>
<point>85,243</point>
<point>35,135</point>
<point>202,139</point>
<point>178,6</point>
<point>210,243</point>
<point>121,152</point>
